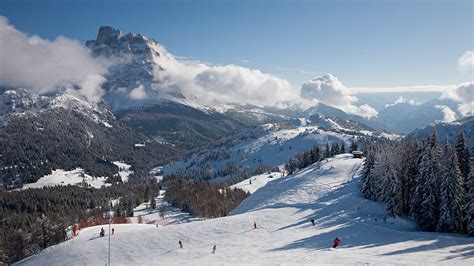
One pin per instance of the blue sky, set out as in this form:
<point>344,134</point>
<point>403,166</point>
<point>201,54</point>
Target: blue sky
<point>363,43</point>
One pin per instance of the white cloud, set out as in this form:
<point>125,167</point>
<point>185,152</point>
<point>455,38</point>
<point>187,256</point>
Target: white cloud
<point>90,87</point>
<point>463,95</point>
<point>46,66</point>
<point>466,61</point>
<point>138,93</point>
<point>219,84</point>
<point>402,99</point>
<point>448,113</point>
<point>329,90</point>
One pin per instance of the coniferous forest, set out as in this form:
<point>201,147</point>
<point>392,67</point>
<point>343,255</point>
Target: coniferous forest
<point>34,219</point>
<point>201,199</point>
<point>431,183</point>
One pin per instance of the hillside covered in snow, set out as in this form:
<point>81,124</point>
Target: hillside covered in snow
<point>265,148</point>
<point>327,192</point>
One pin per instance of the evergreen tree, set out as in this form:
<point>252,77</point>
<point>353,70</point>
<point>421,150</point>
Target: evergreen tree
<point>118,211</point>
<point>290,167</point>
<point>469,199</point>
<point>315,154</point>
<point>452,194</point>
<point>343,148</point>
<point>334,148</point>
<point>153,203</point>
<point>367,179</point>
<point>429,168</point>
<point>327,151</point>
<point>417,189</point>
<point>463,156</point>
<point>408,170</point>
<point>354,146</point>
<point>389,183</point>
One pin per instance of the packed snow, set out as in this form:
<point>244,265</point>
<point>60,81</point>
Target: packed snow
<point>63,178</point>
<point>253,183</point>
<point>327,192</point>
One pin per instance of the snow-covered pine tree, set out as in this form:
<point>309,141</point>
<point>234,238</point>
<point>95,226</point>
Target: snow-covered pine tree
<point>417,190</point>
<point>315,154</point>
<point>389,183</point>
<point>463,156</point>
<point>334,149</point>
<point>408,171</point>
<point>379,175</point>
<point>429,178</point>
<point>452,194</point>
<point>354,146</point>
<point>469,199</point>
<point>366,178</point>
<point>327,151</point>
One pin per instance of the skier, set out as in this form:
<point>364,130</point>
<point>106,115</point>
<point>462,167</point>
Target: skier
<point>337,242</point>
<point>214,249</point>
<point>312,221</point>
<point>102,232</point>
<point>74,230</point>
<point>254,225</point>
<point>113,231</point>
<point>180,244</point>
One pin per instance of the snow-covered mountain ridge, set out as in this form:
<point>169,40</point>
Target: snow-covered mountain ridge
<point>264,148</point>
<point>20,102</point>
<point>448,129</point>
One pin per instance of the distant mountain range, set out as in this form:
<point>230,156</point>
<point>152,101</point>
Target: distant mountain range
<point>450,130</point>
<point>145,127</point>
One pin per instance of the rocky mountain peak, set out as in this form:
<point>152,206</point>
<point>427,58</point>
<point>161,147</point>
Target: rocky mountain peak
<point>112,42</point>
<point>107,35</point>
<point>130,78</point>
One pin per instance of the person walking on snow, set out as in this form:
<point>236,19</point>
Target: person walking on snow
<point>102,232</point>
<point>113,231</point>
<point>254,225</point>
<point>180,244</point>
<point>214,249</point>
<point>312,221</point>
<point>337,242</point>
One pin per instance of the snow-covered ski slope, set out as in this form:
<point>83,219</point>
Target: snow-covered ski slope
<point>267,145</point>
<point>327,192</point>
<point>253,183</point>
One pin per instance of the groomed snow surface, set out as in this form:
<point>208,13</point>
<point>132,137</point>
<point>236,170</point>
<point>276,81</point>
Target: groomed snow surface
<point>326,192</point>
<point>253,183</point>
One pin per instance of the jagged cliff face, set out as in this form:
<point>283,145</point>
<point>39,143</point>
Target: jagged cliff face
<point>130,81</point>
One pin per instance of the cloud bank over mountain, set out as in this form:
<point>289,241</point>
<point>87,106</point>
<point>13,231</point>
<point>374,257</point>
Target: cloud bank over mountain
<point>45,66</point>
<point>66,65</point>
<point>463,95</point>
<point>329,90</point>
<point>219,84</point>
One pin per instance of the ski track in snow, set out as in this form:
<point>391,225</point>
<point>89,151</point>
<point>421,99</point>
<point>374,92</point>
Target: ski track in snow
<point>282,208</point>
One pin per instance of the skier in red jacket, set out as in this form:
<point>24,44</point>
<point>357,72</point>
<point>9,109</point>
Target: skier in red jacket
<point>337,242</point>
